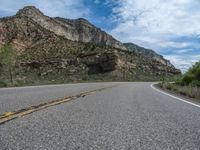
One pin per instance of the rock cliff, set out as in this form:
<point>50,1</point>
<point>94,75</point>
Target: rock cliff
<point>57,49</point>
<point>76,30</point>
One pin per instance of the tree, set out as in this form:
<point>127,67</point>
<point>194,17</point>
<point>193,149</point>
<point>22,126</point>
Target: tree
<point>7,58</point>
<point>192,75</point>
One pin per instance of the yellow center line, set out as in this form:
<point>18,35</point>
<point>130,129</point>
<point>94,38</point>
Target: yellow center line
<point>8,116</point>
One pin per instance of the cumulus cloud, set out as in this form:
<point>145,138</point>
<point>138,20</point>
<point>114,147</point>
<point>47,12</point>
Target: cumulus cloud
<point>178,17</point>
<point>183,62</point>
<point>156,23</point>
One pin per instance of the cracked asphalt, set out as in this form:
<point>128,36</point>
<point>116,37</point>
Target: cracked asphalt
<point>128,116</point>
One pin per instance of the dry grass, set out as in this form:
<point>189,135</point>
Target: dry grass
<point>189,91</point>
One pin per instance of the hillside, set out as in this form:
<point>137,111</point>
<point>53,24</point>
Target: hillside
<point>148,54</point>
<point>76,30</point>
<point>59,50</point>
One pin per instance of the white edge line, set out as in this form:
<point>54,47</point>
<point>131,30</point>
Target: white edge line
<point>180,99</point>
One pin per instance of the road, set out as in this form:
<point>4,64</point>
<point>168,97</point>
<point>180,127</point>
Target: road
<point>127,116</point>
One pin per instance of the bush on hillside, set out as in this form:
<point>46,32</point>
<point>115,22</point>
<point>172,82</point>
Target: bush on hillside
<point>3,84</point>
<point>195,83</point>
<point>192,77</point>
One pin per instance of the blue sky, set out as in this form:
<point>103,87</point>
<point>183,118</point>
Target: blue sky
<point>171,28</point>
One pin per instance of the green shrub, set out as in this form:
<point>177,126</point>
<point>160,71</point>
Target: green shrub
<point>178,81</point>
<point>187,79</point>
<point>192,76</point>
<point>169,86</point>
<point>195,83</point>
<point>3,84</point>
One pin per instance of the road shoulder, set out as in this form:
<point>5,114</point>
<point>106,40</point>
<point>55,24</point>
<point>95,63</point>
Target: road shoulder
<point>175,95</point>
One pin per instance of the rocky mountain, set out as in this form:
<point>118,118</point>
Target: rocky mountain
<point>76,30</point>
<point>59,50</point>
<point>148,54</point>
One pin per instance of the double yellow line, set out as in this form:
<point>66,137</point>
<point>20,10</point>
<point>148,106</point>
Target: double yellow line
<point>8,116</point>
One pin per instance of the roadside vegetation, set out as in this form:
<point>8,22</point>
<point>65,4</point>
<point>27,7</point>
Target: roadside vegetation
<point>49,66</point>
<point>188,85</point>
<point>7,61</point>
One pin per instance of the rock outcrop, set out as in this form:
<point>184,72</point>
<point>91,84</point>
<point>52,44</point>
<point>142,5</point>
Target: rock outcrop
<point>152,56</point>
<point>76,30</point>
<point>64,49</point>
<point>100,62</point>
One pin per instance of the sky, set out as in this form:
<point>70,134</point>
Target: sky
<point>169,27</point>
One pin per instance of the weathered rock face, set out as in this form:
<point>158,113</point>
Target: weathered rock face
<point>57,48</point>
<point>153,57</point>
<point>76,30</point>
<point>100,62</point>
<point>148,53</point>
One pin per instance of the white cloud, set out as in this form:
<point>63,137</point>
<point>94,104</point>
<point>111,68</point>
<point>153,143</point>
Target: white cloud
<point>62,8</point>
<point>183,62</point>
<point>96,1</point>
<point>177,17</point>
<point>155,23</point>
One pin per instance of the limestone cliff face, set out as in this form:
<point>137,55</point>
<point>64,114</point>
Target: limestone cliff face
<point>57,48</point>
<point>153,57</point>
<point>148,53</point>
<point>76,30</point>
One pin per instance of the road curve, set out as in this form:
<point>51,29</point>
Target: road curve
<point>127,116</point>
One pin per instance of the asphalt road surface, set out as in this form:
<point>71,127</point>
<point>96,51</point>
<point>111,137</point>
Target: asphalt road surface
<point>125,117</point>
